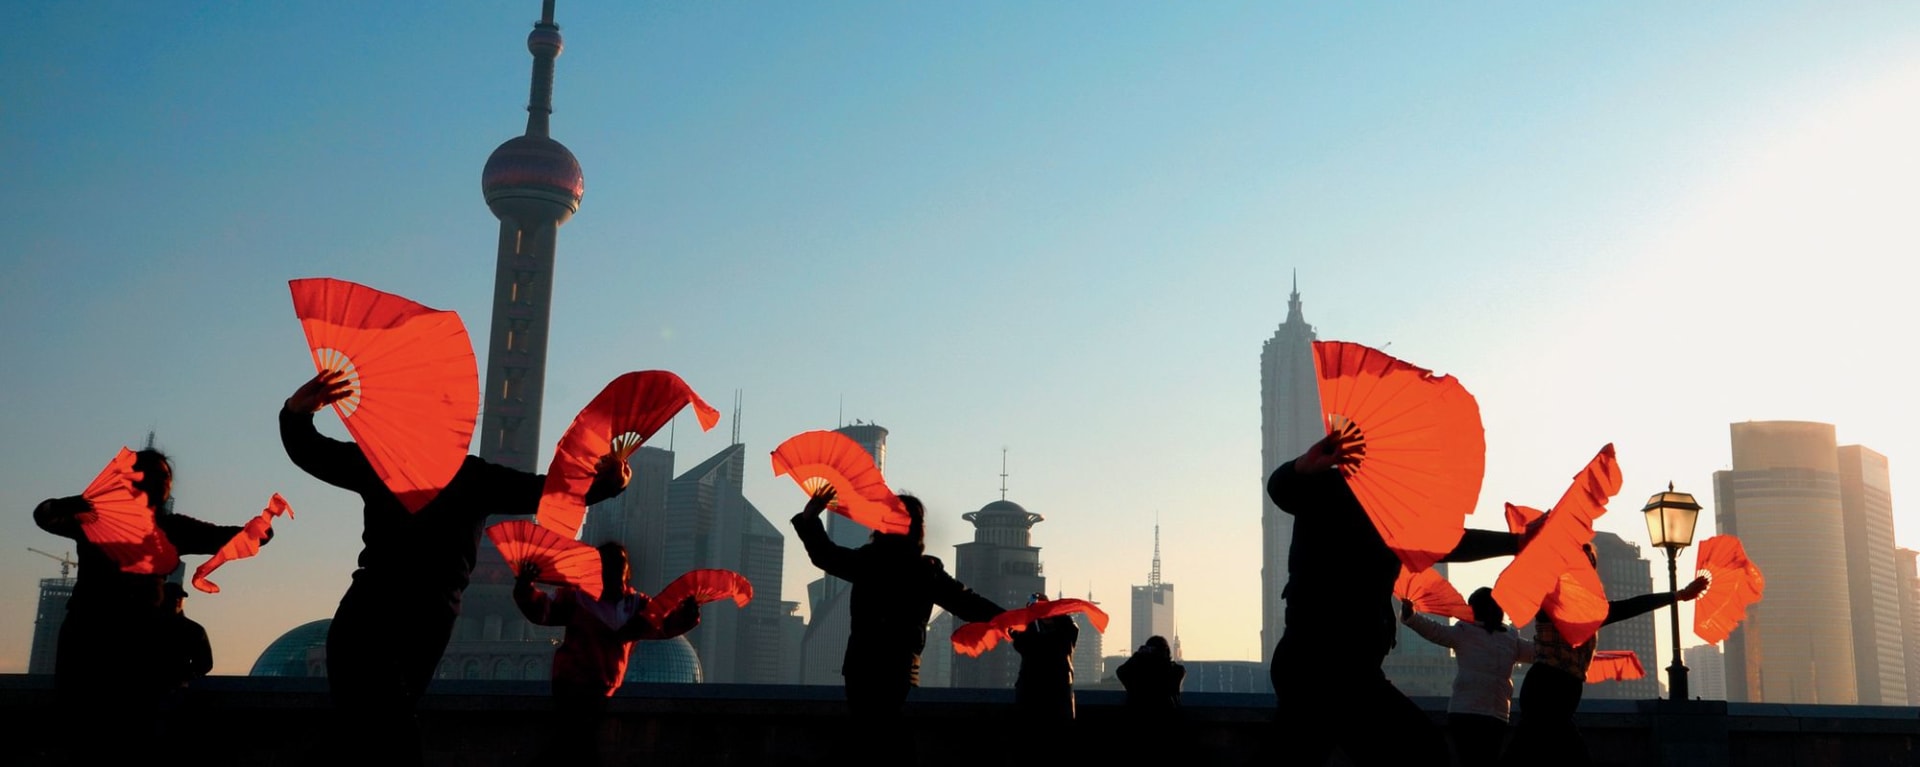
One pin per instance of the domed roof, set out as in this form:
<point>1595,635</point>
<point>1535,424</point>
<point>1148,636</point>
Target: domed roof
<point>533,168</point>
<point>1004,506</point>
<point>287,656</point>
<point>670,661</point>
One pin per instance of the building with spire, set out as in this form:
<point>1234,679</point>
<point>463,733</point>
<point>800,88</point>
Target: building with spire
<point>1002,564</point>
<point>1289,424</point>
<point>532,184</point>
<point>1153,606</point>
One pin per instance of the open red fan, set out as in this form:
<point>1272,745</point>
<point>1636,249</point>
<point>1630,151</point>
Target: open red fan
<point>1615,666</point>
<point>1558,541</point>
<point>1733,584</point>
<point>1431,594</point>
<point>621,417</point>
<point>1523,519</point>
<point>709,585</point>
<point>818,458</point>
<point>563,561</point>
<point>244,544</point>
<point>1577,605</point>
<point>1422,448</point>
<point>416,390</point>
<point>972,639</point>
<point>121,523</point>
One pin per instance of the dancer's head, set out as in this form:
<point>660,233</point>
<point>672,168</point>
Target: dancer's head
<point>615,572</point>
<point>1157,645</point>
<point>916,536</point>
<point>1486,611</point>
<point>156,476</point>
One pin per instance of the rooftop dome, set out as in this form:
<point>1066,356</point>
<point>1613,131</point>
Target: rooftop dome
<point>287,656</point>
<point>528,175</point>
<point>670,661</point>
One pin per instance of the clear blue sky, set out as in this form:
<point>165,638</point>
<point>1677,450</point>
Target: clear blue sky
<point>1059,228</point>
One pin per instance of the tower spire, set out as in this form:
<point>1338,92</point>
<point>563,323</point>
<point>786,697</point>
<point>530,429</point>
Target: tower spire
<point>1003,473</point>
<point>545,44</point>
<point>737,395</point>
<point>1153,578</point>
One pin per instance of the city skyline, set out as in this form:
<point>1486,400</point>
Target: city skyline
<point>992,227</point>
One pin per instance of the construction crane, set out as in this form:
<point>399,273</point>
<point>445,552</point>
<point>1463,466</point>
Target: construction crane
<point>66,561</point>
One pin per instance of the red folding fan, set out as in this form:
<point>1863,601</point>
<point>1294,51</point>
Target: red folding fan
<point>972,639</point>
<point>1577,605</point>
<point>1733,583</point>
<point>1522,520</point>
<point>816,459</point>
<point>563,561</point>
<point>1422,448</point>
<point>416,390</point>
<point>121,523</point>
<point>1431,594</point>
<point>708,585</point>
<point>1615,666</point>
<point>1557,543</point>
<point>243,544</point>
<point>627,412</point>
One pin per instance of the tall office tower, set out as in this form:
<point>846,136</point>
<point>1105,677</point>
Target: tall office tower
<point>1289,424</point>
<point>825,642</point>
<point>1417,666</point>
<point>936,661</point>
<point>793,630</point>
<point>709,523</point>
<point>1625,573</point>
<point>1153,605</point>
<point>1908,562</point>
<point>47,618</point>
<point>1866,511</point>
<point>1088,664</point>
<point>1002,564</point>
<point>637,518</point>
<point>1782,498</point>
<point>533,185</point>
<point>1706,671</point>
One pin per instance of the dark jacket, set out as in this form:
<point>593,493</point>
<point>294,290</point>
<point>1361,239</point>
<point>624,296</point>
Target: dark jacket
<point>894,590</point>
<point>1044,686</point>
<point>1152,680</point>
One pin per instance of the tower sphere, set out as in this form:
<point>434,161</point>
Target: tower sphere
<point>532,178</point>
<point>544,40</point>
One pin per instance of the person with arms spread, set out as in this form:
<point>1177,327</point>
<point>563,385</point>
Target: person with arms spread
<point>1486,652</point>
<point>394,622</point>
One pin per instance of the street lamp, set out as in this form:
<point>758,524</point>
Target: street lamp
<point>1670,520</point>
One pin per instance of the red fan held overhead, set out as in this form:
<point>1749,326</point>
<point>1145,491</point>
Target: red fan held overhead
<point>416,389</point>
<point>1615,666</point>
<point>624,415</point>
<point>817,459</point>
<point>563,561</point>
<point>972,639</point>
<point>1556,543</point>
<point>244,544</point>
<point>1423,450</point>
<point>1733,583</point>
<point>121,522</point>
<point>1431,594</point>
<point>703,586</point>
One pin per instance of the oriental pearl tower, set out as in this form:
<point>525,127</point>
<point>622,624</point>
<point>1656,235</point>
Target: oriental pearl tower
<point>533,185</point>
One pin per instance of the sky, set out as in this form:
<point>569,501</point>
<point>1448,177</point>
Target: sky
<point>1056,233</point>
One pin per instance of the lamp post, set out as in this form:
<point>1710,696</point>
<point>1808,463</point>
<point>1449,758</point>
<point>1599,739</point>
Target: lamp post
<point>1670,520</point>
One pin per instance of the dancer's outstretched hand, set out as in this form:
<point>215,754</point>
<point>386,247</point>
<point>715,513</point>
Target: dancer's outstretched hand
<point>325,388</point>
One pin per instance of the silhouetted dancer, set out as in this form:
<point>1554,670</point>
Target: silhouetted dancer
<point>1555,683</point>
<point>1155,725</point>
<point>591,662</point>
<point>393,624</point>
<point>1486,652</point>
<point>106,658</point>
<point>1327,681</point>
<point>895,585</point>
<point>1043,690</point>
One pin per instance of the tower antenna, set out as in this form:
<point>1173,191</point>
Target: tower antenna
<point>736,416</point>
<point>1153,578</point>
<point>1003,472</point>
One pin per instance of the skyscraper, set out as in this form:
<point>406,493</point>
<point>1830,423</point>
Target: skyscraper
<point>532,184</point>
<point>709,523</point>
<point>1866,511</point>
<point>1706,672</point>
<point>1908,563</point>
<point>1002,564</point>
<point>637,518</point>
<point>1153,605</point>
<point>47,619</point>
<point>1088,664</point>
<point>1289,424</point>
<point>1625,573</point>
<point>1782,498</point>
